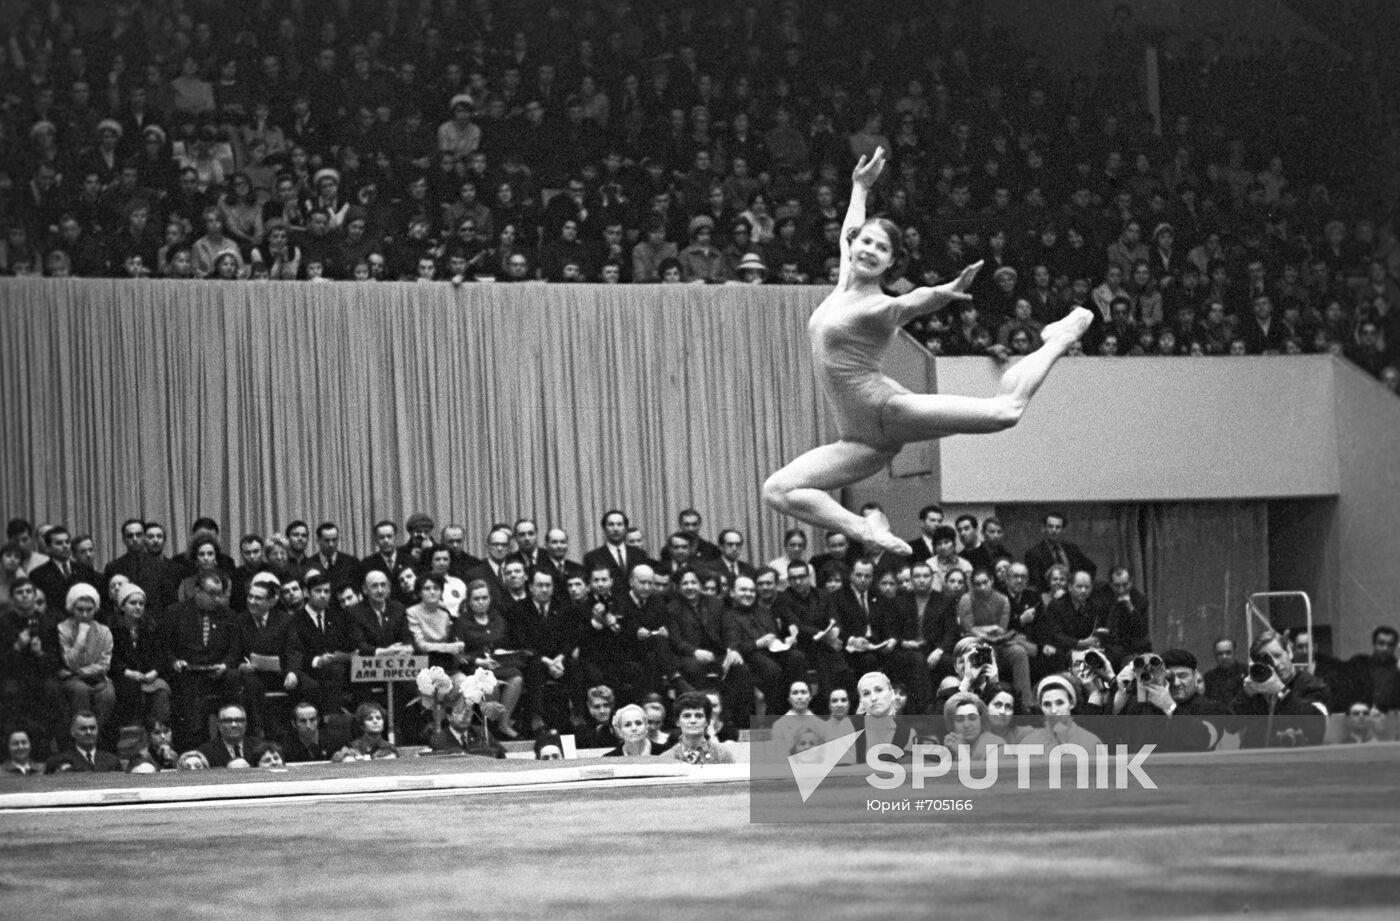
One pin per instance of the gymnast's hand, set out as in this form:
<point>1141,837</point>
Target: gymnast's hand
<point>868,170</point>
<point>955,290</point>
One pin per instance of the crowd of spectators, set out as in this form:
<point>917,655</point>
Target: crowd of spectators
<point>250,660</point>
<point>615,142</point>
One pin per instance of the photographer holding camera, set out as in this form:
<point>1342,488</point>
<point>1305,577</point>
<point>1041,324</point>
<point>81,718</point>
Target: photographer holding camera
<point>1166,703</point>
<point>975,665</point>
<point>1283,706</point>
<point>984,614</point>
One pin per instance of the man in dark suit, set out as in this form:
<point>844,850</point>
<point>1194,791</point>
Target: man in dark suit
<point>702,551</point>
<point>754,633</point>
<point>204,646</point>
<point>1078,619</point>
<point>129,563</point>
<point>859,613</point>
<point>557,563</point>
<point>919,640</point>
<point>343,569</point>
<point>608,646</point>
<point>1262,332</point>
<point>454,538</point>
<point>308,741</point>
<point>527,545</point>
<point>1055,549</point>
<point>270,635</point>
<point>492,570</point>
<point>1128,622</point>
<point>62,572</point>
<point>541,625</point>
<point>695,622</point>
<point>972,549</point>
<point>387,556</point>
<point>840,550</point>
<point>233,742</point>
<point>378,623</point>
<point>154,569</point>
<point>644,612</point>
<point>250,549</point>
<point>930,518</point>
<point>677,556</point>
<point>731,563</point>
<point>323,635</point>
<point>459,737</point>
<point>818,634</point>
<point>614,552</point>
<point>84,756</point>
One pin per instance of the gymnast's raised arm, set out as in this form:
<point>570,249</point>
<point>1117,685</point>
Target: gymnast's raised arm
<point>862,178</point>
<point>920,301</point>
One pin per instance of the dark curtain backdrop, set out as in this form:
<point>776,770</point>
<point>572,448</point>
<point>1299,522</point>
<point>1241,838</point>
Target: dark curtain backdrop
<point>1197,562</point>
<point>258,403</point>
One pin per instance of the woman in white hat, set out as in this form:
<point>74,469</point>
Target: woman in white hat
<point>751,270</point>
<point>875,416</point>
<point>137,657</point>
<point>1057,696</point>
<point>85,648</point>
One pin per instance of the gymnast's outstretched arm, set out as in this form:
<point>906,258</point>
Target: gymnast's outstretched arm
<point>862,178</point>
<point>920,301</point>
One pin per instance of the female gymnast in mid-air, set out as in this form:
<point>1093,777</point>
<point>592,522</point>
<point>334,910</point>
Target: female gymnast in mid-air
<point>875,416</point>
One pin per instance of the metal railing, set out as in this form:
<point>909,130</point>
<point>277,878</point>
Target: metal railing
<point>1252,611</point>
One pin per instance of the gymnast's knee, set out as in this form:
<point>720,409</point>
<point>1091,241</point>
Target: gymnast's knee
<point>775,492</point>
<point>1007,411</point>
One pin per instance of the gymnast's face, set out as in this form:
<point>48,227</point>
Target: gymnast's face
<point>871,251</point>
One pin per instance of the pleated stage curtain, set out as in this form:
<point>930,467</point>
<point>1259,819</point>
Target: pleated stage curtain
<point>1197,562</point>
<point>259,403</point>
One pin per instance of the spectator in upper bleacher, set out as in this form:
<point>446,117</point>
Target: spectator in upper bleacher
<point>213,244</point>
<point>191,95</point>
<point>701,261</point>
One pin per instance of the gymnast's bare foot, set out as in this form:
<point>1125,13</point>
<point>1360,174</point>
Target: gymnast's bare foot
<point>877,531</point>
<point>1068,328</point>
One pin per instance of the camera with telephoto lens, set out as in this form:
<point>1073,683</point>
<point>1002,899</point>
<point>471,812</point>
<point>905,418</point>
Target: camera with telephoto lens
<point>979,657</point>
<point>1261,672</point>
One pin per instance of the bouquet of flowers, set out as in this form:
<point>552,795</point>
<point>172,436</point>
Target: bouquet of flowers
<point>440,692</point>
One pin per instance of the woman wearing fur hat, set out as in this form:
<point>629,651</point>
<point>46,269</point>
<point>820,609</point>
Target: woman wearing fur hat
<point>137,655</point>
<point>85,647</point>
<point>701,260</point>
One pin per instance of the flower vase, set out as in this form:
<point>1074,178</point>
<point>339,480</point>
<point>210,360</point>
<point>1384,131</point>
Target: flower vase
<point>437,718</point>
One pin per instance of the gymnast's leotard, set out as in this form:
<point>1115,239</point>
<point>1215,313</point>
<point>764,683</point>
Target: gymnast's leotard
<point>849,338</point>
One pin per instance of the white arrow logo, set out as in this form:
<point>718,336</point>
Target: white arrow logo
<point>810,767</point>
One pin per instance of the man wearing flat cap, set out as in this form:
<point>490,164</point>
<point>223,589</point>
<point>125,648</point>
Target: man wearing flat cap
<point>1176,716</point>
